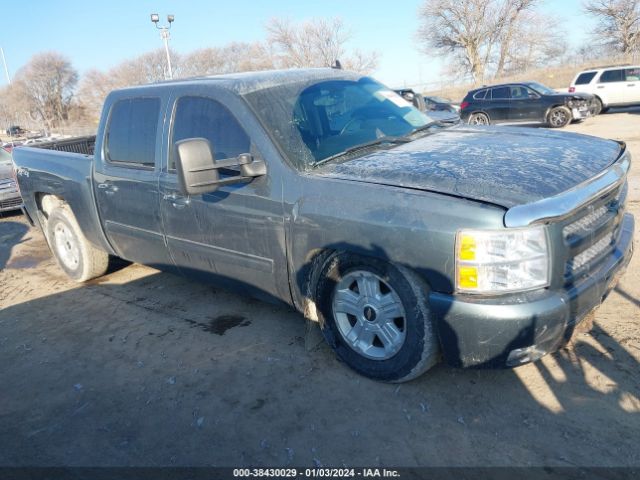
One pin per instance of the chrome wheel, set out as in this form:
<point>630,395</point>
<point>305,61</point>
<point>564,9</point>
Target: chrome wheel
<point>558,118</point>
<point>66,245</point>
<point>369,315</point>
<point>479,119</point>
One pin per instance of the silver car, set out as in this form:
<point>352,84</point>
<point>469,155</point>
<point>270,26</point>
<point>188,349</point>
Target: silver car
<point>9,193</point>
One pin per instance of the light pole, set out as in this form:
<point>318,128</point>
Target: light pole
<point>164,34</point>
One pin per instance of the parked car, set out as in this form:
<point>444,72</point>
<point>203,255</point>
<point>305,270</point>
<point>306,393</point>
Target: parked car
<point>14,130</point>
<point>434,103</point>
<point>612,86</point>
<point>412,97</point>
<point>8,146</point>
<point>523,102</point>
<point>323,189</point>
<point>9,193</point>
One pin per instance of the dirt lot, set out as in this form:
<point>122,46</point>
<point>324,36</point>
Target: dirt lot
<point>146,368</point>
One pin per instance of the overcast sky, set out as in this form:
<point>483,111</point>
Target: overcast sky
<point>100,34</point>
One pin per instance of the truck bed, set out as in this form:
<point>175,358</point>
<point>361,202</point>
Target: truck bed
<point>83,145</point>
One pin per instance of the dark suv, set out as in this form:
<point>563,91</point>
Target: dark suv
<point>524,102</point>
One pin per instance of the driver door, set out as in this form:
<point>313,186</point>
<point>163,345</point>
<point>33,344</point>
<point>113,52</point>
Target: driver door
<point>235,235</point>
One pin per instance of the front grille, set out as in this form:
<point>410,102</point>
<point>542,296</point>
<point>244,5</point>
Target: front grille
<point>590,236</point>
<point>14,202</point>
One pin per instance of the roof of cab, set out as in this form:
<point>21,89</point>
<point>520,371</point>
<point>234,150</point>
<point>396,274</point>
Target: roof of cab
<point>247,82</point>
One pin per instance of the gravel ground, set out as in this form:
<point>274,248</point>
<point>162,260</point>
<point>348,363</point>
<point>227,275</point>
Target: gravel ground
<point>145,368</point>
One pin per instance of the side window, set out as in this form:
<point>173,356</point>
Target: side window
<point>500,93</point>
<point>609,76</point>
<point>131,133</point>
<point>520,92</point>
<point>480,95</point>
<point>206,118</point>
<point>632,74</point>
<point>585,78</point>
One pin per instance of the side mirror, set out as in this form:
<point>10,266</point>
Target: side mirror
<point>198,169</point>
<point>195,165</point>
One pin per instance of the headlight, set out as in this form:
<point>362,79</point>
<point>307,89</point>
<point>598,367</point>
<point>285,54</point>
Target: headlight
<point>570,103</point>
<point>498,261</point>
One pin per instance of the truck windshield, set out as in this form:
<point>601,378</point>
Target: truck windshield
<point>320,121</point>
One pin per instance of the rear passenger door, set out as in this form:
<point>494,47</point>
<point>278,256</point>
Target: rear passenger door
<point>126,180</point>
<point>235,235</point>
<point>499,105</point>
<point>525,105</point>
<point>611,86</point>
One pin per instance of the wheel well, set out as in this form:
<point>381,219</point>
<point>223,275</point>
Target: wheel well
<point>46,202</point>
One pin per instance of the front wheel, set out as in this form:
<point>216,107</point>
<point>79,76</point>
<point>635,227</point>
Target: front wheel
<point>559,117</point>
<point>79,259</point>
<point>375,316</point>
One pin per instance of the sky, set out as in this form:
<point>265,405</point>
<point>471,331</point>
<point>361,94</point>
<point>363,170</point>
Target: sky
<point>101,34</point>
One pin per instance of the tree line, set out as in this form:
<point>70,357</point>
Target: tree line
<point>485,39</point>
<point>49,92</point>
<point>480,40</point>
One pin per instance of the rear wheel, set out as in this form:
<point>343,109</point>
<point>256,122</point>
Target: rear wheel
<point>479,119</point>
<point>559,117</point>
<point>79,259</point>
<point>374,315</point>
<point>596,106</point>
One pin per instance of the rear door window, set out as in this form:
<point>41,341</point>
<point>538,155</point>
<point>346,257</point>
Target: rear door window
<point>632,74</point>
<point>202,117</point>
<point>500,93</point>
<point>585,78</point>
<point>132,130</point>
<point>609,76</point>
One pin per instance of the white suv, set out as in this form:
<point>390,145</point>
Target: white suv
<point>613,86</point>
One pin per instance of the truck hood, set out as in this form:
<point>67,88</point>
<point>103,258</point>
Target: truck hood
<point>505,166</point>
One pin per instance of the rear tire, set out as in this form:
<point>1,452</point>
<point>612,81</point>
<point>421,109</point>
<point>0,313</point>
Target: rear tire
<point>479,119</point>
<point>559,117</point>
<point>596,107</point>
<point>79,259</point>
<point>375,316</point>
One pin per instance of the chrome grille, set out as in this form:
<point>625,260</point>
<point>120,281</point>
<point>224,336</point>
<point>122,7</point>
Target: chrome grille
<point>592,235</point>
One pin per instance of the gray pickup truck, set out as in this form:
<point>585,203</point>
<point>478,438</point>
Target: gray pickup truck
<point>408,240</point>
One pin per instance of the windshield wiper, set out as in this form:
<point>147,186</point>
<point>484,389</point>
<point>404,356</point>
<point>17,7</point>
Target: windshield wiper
<point>363,146</point>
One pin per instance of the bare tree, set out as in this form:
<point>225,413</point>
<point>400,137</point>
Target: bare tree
<point>478,35</point>
<point>46,85</point>
<point>618,24</point>
<point>315,43</point>
<point>235,57</point>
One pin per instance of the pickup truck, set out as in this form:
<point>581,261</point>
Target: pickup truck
<point>407,240</point>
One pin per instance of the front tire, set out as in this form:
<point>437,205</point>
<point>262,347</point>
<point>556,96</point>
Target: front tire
<point>375,316</point>
<point>559,117</point>
<point>79,259</point>
<point>596,106</point>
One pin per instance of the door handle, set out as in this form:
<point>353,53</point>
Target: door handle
<point>631,84</point>
<point>600,86</point>
<point>108,188</point>
<point>177,201</point>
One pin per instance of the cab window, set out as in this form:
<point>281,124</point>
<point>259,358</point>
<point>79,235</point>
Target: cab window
<point>201,117</point>
<point>131,132</point>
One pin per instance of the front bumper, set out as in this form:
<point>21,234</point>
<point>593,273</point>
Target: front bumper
<point>511,330</point>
